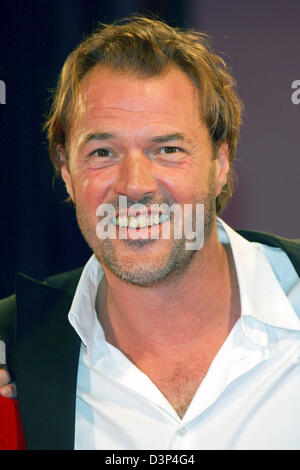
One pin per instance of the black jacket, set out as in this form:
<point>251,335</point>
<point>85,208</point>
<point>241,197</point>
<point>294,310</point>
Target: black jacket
<point>43,350</point>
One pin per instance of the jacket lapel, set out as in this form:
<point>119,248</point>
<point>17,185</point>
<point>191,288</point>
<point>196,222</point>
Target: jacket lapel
<point>46,364</point>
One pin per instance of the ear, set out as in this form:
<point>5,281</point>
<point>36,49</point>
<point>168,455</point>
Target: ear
<point>222,167</point>
<point>65,174</point>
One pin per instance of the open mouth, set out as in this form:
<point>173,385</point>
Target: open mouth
<point>140,221</point>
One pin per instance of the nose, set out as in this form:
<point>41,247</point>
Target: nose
<point>135,178</point>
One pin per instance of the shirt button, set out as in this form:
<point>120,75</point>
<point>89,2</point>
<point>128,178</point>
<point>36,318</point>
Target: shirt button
<point>182,432</point>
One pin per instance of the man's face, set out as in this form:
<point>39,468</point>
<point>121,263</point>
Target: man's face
<point>142,138</point>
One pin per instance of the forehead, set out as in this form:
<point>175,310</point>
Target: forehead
<point>106,91</point>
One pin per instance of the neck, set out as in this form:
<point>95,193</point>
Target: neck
<point>196,305</point>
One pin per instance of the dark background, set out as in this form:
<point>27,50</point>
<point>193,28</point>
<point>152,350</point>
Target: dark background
<point>259,39</point>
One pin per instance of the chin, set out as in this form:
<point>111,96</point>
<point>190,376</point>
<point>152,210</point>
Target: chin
<point>143,266</point>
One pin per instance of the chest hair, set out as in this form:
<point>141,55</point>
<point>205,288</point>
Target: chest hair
<point>177,383</point>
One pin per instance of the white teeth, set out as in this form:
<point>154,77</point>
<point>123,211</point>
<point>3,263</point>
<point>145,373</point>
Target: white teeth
<point>164,217</point>
<point>132,223</point>
<point>123,221</point>
<point>140,221</point>
<point>155,218</point>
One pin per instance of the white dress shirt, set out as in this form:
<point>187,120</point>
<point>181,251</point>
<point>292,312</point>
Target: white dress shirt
<point>250,397</point>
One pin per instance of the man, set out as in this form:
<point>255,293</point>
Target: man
<point>154,345</point>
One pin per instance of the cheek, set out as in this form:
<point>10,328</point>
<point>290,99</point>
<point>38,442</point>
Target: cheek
<point>184,183</point>
<point>92,188</point>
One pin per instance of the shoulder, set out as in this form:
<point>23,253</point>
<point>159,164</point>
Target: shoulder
<point>67,281</point>
<point>271,239</point>
<point>8,307</point>
<point>8,304</point>
<point>290,246</point>
<point>7,317</point>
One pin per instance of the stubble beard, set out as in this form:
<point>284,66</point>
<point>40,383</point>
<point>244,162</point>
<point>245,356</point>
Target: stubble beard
<point>150,272</point>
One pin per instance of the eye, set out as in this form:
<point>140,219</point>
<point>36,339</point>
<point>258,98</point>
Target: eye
<point>103,152</point>
<point>170,154</point>
<point>168,150</point>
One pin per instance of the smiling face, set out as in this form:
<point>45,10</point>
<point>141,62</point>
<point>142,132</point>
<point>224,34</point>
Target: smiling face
<point>142,138</point>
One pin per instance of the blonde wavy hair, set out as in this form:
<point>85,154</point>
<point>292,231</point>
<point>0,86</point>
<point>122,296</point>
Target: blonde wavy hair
<point>146,46</point>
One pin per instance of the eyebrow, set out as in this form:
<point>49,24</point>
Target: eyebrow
<point>96,136</point>
<point>168,137</point>
<point>157,139</point>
